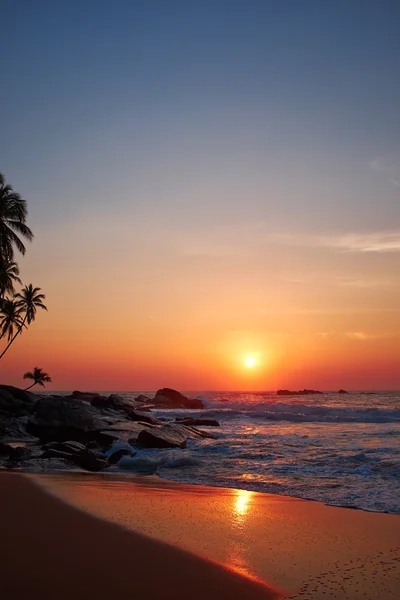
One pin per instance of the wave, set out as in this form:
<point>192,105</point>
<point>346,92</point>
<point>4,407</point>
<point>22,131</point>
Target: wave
<point>302,413</point>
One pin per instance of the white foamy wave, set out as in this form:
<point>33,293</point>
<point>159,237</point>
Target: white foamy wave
<point>300,413</point>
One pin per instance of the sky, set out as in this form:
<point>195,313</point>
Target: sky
<point>208,182</point>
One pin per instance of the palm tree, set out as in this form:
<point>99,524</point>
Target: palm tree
<point>10,319</point>
<point>38,376</point>
<point>13,214</point>
<point>9,272</point>
<point>27,301</point>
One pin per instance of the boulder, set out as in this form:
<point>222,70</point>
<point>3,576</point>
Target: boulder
<point>200,422</point>
<point>136,415</point>
<point>84,459</point>
<point>164,436</point>
<point>143,399</point>
<point>41,465</point>
<point>71,447</point>
<point>56,419</point>
<point>19,453</point>
<point>14,428</point>
<point>114,458</point>
<point>85,396</point>
<point>16,402</point>
<point>169,398</point>
<point>115,402</point>
<point>5,449</point>
<point>342,392</point>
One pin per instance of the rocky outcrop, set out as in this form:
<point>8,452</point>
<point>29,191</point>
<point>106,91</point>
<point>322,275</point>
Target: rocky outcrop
<point>15,402</point>
<point>137,415</point>
<point>304,392</point>
<point>57,419</point>
<point>143,399</point>
<point>169,398</point>
<point>165,436</point>
<point>197,422</point>
<point>84,458</point>
<point>116,456</point>
<point>342,392</point>
<point>116,402</point>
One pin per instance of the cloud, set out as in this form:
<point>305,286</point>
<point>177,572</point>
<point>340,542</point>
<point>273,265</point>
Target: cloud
<point>380,241</point>
<point>388,166</point>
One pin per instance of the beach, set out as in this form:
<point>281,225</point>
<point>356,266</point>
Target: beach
<point>303,548</point>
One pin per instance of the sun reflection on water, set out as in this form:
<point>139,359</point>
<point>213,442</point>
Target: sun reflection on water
<point>242,504</point>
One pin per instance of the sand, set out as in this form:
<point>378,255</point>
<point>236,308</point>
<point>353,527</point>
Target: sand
<point>309,550</point>
<point>53,551</point>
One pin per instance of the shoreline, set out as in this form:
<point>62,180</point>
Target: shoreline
<point>307,548</point>
<point>66,553</point>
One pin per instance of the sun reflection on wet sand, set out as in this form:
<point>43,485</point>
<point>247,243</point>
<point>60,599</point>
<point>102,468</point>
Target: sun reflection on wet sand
<point>242,504</point>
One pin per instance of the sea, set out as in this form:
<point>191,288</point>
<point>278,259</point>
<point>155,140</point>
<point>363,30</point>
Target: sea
<point>341,449</point>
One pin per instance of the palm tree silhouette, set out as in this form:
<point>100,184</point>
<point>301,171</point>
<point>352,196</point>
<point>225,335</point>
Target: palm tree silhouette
<point>27,301</point>
<point>39,377</point>
<point>9,274</point>
<point>10,319</point>
<point>13,213</point>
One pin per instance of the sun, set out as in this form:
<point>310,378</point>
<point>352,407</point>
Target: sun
<point>250,362</point>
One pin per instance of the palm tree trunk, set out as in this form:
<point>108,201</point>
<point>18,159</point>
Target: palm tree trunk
<point>31,386</point>
<point>11,341</point>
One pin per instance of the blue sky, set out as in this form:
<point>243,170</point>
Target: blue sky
<point>171,137</point>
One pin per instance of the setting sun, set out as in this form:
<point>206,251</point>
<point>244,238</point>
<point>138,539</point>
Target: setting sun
<point>250,362</point>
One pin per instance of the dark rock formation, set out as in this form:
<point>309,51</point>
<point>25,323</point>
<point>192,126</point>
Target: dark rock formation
<point>137,415</point>
<point>5,449</point>
<point>15,402</point>
<point>164,436</point>
<point>56,419</point>
<point>114,458</point>
<point>304,392</point>
<point>168,398</point>
<point>198,422</point>
<point>143,399</point>
<point>19,453</point>
<point>84,459</point>
<point>115,402</point>
<point>342,392</point>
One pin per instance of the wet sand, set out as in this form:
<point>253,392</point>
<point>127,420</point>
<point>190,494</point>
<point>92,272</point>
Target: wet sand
<point>310,550</point>
<point>50,550</point>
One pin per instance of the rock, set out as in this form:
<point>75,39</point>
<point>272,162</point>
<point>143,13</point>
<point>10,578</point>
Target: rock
<point>85,396</point>
<point>304,392</point>
<point>19,453</point>
<point>16,402</point>
<point>136,415</point>
<point>200,422</point>
<point>164,436</point>
<point>84,459</point>
<point>115,402</point>
<point>168,398</point>
<point>5,449</point>
<point>342,392</point>
<point>114,458</point>
<point>14,428</point>
<point>143,399</point>
<point>70,447</point>
<point>55,418</point>
<point>41,465</point>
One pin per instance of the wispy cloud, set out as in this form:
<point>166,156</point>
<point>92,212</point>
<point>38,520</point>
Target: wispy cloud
<point>380,241</point>
<point>388,166</point>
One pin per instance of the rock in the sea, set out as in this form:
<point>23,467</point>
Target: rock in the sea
<point>197,422</point>
<point>84,459</point>
<point>57,419</point>
<point>116,456</point>
<point>164,436</point>
<point>143,399</point>
<point>14,428</point>
<point>115,402</point>
<point>342,392</point>
<point>16,402</point>
<point>137,415</point>
<point>304,392</point>
<point>71,447</point>
<point>168,398</point>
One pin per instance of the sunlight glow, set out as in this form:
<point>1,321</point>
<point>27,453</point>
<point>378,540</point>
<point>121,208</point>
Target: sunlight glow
<point>250,362</point>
